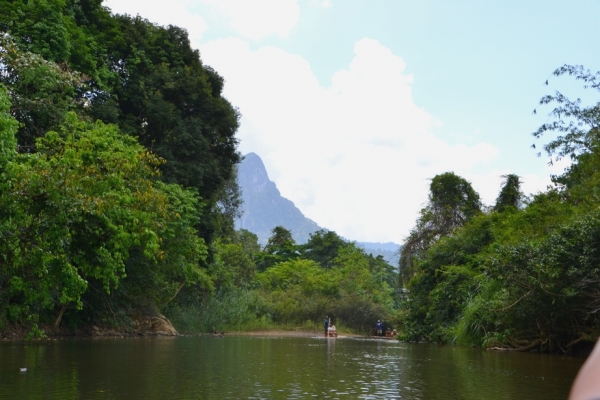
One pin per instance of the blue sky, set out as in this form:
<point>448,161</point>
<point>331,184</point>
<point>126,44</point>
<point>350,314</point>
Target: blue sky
<point>354,105</point>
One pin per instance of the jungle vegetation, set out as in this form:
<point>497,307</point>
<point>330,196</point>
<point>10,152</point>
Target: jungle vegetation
<point>118,190</point>
<point>523,274</point>
<point>118,196</point>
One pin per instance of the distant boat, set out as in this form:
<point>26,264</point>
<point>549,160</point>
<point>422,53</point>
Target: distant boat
<point>23,369</point>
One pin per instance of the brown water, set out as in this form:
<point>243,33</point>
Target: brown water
<point>275,368</point>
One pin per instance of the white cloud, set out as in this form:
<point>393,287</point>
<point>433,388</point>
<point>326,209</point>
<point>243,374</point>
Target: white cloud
<point>173,12</point>
<point>252,19</point>
<point>257,19</point>
<point>357,156</point>
<point>321,3</point>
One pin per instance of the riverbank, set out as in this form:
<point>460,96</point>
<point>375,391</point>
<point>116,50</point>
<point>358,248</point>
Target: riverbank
<point>149,325</point>
<point>155,326</point>
<point>283,333</point>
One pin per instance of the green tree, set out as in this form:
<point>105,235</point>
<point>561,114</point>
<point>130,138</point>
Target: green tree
<point>72,212</point>
<point>510,195</point>
<point>173,104</point>
<point>323,247</point>
<point>280,247</point>
<point>40,26</point>
<point>281,240</point>
<point>248,241</point>
<point>42,92</point>
<point>452,202</point>
<point>8,131</point>
<point>144,77</point>
<point>235,264</point>
<point>229,205</point>
<point>84,210</point>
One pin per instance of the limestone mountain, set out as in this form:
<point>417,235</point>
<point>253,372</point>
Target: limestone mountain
<point>264,208</point>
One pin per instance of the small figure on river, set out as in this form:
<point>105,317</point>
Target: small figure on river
<point>379,328</point>
<point>332,331</point>
<point>326,323</point>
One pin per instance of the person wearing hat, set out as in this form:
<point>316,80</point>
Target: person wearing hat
<point>326,325</point>
<point>379,328</point>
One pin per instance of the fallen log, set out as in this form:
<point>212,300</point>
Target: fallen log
<point>531,346</point>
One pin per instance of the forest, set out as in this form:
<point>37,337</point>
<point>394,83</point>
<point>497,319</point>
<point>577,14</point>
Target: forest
<point>523,274</point>
<point>118,191</point>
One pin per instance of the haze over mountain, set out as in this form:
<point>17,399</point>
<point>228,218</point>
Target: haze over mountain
<point>264,208</point>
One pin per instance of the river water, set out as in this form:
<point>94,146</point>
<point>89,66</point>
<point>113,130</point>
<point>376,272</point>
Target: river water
<point>274,368</point>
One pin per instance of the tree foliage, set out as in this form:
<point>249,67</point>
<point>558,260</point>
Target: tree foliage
<point>510,194</point>
<point>129,71</point>
<point>452,202</point>
<point>102,109</point>
<point>323,247</point>
<point>577,126</point>
<point>118,188</point>
<point>76,210</point>
<point>525,279</point>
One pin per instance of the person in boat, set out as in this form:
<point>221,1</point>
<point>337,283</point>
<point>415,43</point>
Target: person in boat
<point>326,323</point>
<point>379,328</point>
<point>394,333</point>
<point>332,331</point>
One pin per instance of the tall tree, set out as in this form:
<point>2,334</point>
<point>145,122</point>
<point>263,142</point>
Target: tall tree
<point>280,247</point>
<point>452,202</point>
<point>323,247</point>
<point>74,212</point>
<point>144,77</point>
<point>281,239</point>
<point>510,195</point>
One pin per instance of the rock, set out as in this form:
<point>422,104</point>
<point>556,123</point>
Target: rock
<point>160,326</point>
<point>142,326</point>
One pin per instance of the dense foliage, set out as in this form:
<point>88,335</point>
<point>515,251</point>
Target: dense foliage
<point>285,284</point>
<point>117,168</point>
<point>118,190</point>
<point>523,275</point>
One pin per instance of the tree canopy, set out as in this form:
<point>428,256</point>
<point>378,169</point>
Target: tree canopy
<point>117,165</point>
<point>452,202</point>
<point>525,279</point>
<point>510,195</point>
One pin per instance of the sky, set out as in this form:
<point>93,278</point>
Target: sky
<point>355,105</point>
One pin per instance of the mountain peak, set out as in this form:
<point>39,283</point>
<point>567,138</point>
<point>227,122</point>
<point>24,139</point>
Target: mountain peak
<point>264,208</point>
<point>252,175</point>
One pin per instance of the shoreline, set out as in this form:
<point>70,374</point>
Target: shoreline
<point>19,336</point>
<point>282,333</point>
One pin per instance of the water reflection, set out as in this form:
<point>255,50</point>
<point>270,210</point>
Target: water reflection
<point>267,368</point>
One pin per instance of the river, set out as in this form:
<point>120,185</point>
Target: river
<point>242,367</point>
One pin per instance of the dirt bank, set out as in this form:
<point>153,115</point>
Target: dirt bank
<point>142,326</point>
